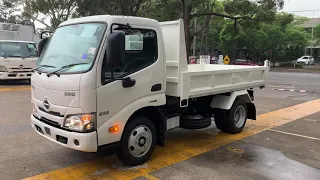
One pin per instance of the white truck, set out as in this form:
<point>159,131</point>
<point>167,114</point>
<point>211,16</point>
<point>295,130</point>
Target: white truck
<point>17,59</point>
<point>124,81</point>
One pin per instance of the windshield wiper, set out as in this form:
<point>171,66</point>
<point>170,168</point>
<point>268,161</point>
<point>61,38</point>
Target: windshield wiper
<point>64,67</point>
<point>14,56</point>
<point>42,66</point>
<point>28,56</point>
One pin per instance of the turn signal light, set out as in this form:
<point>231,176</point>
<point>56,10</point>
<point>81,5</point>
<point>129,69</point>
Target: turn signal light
<point>114,129</point>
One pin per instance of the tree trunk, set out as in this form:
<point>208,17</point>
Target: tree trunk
<point>186,19</point>
<point>207,32</point>
<point>125,7</point>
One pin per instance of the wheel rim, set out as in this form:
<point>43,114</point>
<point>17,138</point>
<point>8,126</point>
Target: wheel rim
<point>239,116</point>
<point>140,141</point>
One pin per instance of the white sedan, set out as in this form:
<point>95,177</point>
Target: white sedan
<point>306,60</point>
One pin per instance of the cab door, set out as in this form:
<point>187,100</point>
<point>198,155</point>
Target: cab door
<point>117,100</point>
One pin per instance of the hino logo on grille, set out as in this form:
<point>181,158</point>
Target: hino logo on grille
<point>46,104</point>
<point>21,66</point>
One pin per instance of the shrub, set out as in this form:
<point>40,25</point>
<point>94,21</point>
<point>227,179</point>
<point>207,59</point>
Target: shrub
<point>290,65</point>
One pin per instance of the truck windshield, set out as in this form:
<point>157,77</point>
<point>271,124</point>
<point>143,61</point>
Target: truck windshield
<point>72,44</point>
<point>18,49</point>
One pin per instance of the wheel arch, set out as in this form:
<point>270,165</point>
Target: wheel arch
<point>157,116</point>
<point>225,102</point>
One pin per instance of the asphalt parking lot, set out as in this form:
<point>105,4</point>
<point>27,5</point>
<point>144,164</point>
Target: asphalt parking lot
<point>284,142</point>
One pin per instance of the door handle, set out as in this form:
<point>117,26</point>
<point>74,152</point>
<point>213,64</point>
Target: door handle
<point>128,82</point>
<point>156,87</point>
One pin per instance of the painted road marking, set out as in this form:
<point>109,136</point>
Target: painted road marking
<point>292,134</point>
<point>148,176</point>
<point>20,88</point>
<point>293,90</point>
<point>181,146</point>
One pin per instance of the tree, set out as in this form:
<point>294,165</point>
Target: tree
<point>114,7</point>
<point>57,10</point>
<point>190,11</point>
<point>296,40</point>
<point>317,32</point>
<point>255,40</point>
<point>6,10</point>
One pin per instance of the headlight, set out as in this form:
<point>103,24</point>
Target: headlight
<point>81,122</point>
<point>34,110</point>
<point>3,69</point>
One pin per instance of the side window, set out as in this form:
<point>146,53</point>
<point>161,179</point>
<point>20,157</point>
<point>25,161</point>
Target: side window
<point>141,51</point>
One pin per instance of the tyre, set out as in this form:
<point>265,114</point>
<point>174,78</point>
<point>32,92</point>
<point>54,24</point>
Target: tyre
<point>219,120</point>
<point>137,142</point>
<point>233,120</point>
<point>195,122</point>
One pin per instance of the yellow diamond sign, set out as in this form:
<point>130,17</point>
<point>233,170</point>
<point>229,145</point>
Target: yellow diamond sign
<point>226,60</point>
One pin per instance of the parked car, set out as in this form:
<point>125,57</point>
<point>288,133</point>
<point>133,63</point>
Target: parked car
<point>306,59</point>
<point>244,62</point>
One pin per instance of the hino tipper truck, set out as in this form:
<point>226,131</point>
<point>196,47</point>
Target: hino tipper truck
<point>17,59</point>
<point>124,81</point>
<point>18,51</point>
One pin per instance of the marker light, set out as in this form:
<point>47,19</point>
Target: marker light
<point>114,129</point>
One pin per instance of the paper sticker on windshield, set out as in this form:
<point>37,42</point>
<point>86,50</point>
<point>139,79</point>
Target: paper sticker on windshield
<point>30,46</point>
<point>91,50</point>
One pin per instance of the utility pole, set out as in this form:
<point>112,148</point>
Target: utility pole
<point>312,29</point>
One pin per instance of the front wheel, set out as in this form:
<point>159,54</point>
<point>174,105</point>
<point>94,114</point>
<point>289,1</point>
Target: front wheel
<point>138,141</point>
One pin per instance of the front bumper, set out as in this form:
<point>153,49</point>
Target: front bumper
<point>87,142</point>
<point>15,75</point>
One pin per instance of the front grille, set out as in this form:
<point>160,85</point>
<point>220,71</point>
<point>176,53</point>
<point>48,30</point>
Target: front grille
<point>51,112</point>
<point>49,122</point>
<point>21,71</point>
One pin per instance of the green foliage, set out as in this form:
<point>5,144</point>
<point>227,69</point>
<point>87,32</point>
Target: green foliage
<point>266,34</point>
<point>260,27</point>
<point>56,10</point>
<point>9,12</point>
<point>317,32</point>
<point>114,7</point>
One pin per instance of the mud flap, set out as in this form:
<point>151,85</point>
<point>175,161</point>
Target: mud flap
<point>162,127</point>
<point>252,114</point>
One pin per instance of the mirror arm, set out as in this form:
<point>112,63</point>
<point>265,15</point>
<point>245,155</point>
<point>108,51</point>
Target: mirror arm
<point>121,25</point>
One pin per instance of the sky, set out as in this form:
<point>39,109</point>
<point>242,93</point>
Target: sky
<point>303,5</point>
<point>307,6</point>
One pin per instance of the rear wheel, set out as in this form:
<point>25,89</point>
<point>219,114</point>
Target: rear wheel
<point>233,120</point>
<point>219,120</point>
<point>138,141</point>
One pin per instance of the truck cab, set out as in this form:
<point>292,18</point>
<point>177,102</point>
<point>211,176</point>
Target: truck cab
<point>17,59</point>
<point>117,80</point>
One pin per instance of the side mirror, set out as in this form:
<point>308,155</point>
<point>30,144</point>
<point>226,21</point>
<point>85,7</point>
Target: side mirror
<point>45,34</point>
<point>42,44</point>
<point>115,48</point>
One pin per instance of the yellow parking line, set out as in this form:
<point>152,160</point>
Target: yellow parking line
<point>20,88</point>
<point>180,146</point>
<point>148,176</point>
